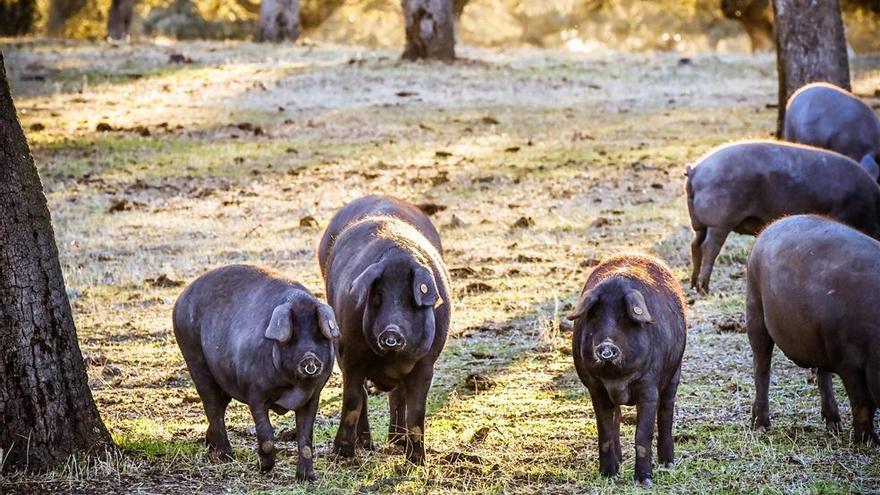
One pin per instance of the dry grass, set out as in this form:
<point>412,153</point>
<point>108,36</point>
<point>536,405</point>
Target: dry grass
<point>591,149</point>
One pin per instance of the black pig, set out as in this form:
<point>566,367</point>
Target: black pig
<point>629,338</point>
<point>812,291</point>
<point>742,187</point>
<point>823,115</point>
<point>250,334</point>
<point>386,280</point>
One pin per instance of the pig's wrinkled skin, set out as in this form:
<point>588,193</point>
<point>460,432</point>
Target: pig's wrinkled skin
<point>826,116</point>
<point>629,338</point>
<point>387,282</point>
<point>813,285</point>
<point>744,186</point>
<point>250,334</point>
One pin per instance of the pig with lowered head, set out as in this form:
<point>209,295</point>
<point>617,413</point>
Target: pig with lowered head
<point>387,282</point>
<point>250,334</point>
<point>826,116</point>
<point>742,187</point>
<point>813,287</point>
<point>629,338</point>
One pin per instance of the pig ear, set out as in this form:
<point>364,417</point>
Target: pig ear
<point>327,322</point>
<point>425,288</point>
<point>584,305</point>
<point>360,288</point>
<point>870,165</point>
<point>280,327</point>
<point>636,307</point>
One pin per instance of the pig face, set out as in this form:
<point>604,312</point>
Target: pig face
<point>397,296</point>
<point>303,331</point>
<point>615,323</point>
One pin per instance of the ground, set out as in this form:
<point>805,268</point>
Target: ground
<point>161,161</point>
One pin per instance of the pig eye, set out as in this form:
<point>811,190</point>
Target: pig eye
<point>376,298</point>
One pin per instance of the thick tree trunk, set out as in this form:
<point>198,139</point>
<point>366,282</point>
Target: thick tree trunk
<point>59,13</point>
<point>16,17</point>
<point>810,47</point>
<point>430,31</point>
<point>46,408</point>
<point>279,21</point>
<point>119,20</point>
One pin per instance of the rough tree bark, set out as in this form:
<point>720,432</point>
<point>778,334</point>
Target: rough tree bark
<point>810,47</point>
<point>16,17</point>
<point>756,17</point>
<point>119,20</point>
<point>430,31</point>
<point>279,21</point>
<point>46,408</point>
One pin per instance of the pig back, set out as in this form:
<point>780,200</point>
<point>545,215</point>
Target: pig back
<point>375,205</point>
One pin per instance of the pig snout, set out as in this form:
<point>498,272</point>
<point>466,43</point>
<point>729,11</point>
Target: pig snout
<point>606,352</point>
<point>391,339</point>
<point>310,365</point>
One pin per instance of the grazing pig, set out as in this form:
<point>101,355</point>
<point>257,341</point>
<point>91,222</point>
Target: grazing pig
<point>743,186</point>
<point>629,337</point>
<point>387,282</point>
<point>250,334</point>
<point>812,290</point>
<point>829,117</point>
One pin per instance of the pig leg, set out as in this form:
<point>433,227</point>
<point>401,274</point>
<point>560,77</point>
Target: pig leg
<point>646,415</point>
<point>417,385</point>
<point>762,353</point>
<point>697,255</point>
<point>608,424</point>
<point>397,422</point>
<point>715,238</point>
<point>305,424</point>
<point>830,412</point>
<point>265,435</point>
<point>665,413</point>
<point>352,401</point>
<point>861,405</point>
<point>215,402</point>
<point>365,439</point>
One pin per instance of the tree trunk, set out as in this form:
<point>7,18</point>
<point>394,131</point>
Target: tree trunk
<point>16,17</point>
<point>119,20</point>
<point>46,408</point>
<point>279,21</point>
<point>429,30</point>
<point>59,12</point>
<point>810,47</point>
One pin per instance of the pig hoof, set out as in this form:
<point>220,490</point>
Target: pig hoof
<point>667,465</point>
<point>610,472</point>
<point>306,476</point>
<point>416,459</point>
<point>645,483</point>
<point>834,426</point>
<point>266,463</point>
<point>343,451</point>
<point>367,444</point>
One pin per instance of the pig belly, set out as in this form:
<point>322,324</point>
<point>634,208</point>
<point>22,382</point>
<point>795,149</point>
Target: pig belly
<point>799,340</point>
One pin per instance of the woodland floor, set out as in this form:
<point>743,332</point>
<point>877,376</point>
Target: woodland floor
<point>157,171</point>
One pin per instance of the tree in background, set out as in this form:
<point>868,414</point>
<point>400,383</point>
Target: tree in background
<point>279,21</point>
<point>756,17</point>
<point>46,408</point>
<point>810,47</point>
<point>429,29</point>
<point>16,16</point>
<point>119,20</point>
<point>59,12</point>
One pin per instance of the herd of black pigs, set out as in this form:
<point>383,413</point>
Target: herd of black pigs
<point>812,278</point>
